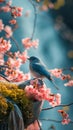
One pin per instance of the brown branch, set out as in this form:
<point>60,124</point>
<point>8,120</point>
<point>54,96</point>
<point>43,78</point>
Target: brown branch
<point>62,105</point>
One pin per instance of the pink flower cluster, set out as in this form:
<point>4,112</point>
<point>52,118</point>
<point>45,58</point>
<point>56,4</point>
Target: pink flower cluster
<point>40,92</point>
<point>22,56</point>
<point>16,75</point>
<point>13,63</point>
<point>12,21</point>
<point>28,43</point>
<point>6,8</point>
<point>58,73</point>
<point>65,117</point>
<point>7,29</point>
<point>4,45</point>
<point>15,11</point>
<point>69,83</point>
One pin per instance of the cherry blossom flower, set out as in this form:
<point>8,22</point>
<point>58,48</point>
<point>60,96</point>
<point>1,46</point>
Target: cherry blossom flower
<point>14,63</point>
<point>1,25</point>
<point>13,21</point>
<point>6,8</point>
<point>40,93</point>
<point>16,11</point>
<point>28,43</point>
<point>70,83</point>
<point>8,31</point>
<point>17,75</point>
<point>23,56</point>
<point>11,74</point>
<point>65,117</point>
<point>56,72</point>
<point>64,77</point>
<point>54,99</point>
<point>4,45</point>
<point>66,121</point>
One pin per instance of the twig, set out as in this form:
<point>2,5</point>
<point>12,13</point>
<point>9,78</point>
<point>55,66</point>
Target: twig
<point>56,121</point>
<point>16,43</point>
<point>39,125</point>
<point>62,105</point>
<point>4,77</point>
<point>35,18</point>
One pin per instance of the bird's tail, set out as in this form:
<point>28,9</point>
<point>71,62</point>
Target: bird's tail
<point>52,80</point>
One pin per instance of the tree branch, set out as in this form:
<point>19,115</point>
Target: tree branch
<point>4,77</point>
<point>62,105</point>
<point>56,121</point>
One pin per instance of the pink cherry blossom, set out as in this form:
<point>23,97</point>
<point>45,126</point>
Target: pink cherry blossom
<point>28,43</point>
<point>1,25</point>
<point>65,117</point>
<point>16,11</point>
<point>4,45</point>
<point>63,113</point>
<point>69,83</point>
<point>66,121</point>
<point>23,56</point>
<point>6,8</point>
<point>21,76</point>
<point>40,93</point>
<point>35,43</point>
<point>56,72</point>
<point>14,63</point>
<point>13,21</point>
<point>11,74</point>
<point>8,31</point>
<point>55,99</point>
<point>64,77</point>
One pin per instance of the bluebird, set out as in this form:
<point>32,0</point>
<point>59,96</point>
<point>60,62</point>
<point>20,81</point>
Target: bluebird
<point>39,70</point>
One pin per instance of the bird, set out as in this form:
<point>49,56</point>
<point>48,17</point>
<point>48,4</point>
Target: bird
<point>39,70</point>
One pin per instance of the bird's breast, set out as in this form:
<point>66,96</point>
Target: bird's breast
<point>34,73</point>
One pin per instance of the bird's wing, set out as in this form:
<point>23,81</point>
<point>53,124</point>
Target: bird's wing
<point>40,68</point>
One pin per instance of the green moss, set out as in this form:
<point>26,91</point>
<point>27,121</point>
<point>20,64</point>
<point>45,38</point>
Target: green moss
<point>12,92</point>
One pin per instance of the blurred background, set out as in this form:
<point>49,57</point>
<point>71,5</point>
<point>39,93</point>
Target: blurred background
<point>54,29</point>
